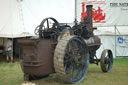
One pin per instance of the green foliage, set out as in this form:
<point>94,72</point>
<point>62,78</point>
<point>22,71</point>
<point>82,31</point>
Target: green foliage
<point>11,74</point>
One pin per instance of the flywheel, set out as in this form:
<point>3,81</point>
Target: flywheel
<point>71,59</point>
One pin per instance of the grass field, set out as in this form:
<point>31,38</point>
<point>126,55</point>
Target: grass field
<point>11,74</point>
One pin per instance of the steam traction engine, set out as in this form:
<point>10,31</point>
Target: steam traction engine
<point>63,50</point>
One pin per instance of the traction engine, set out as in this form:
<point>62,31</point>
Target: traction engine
<point>63,49</point>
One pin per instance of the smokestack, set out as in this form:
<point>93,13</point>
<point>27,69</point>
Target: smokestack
<point>89,15</point>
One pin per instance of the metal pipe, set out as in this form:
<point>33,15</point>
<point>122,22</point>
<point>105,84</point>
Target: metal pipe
<point>89,16</point>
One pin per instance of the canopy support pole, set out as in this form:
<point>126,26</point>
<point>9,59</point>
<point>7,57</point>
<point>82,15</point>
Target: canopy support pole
<point>115,40</point>
<point>12,48</point>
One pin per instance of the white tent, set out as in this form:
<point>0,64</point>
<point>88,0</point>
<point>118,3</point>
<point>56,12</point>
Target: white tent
<point>19,18</point>
<point>34,11</point>
<point>11,20</point>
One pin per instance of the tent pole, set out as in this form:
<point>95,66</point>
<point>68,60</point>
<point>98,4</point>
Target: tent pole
<point>115,40</point>
<point>3,43</point>
<point>12,47</point>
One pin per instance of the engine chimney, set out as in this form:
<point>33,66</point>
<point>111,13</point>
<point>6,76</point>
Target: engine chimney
<point>89,18</point>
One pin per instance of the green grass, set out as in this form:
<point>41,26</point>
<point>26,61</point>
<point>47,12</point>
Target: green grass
<point>11,74</point>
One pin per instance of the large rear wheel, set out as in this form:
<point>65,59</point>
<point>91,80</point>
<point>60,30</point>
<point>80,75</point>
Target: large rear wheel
<point>71,59</point>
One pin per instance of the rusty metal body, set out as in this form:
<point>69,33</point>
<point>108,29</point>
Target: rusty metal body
<point>37,57</point>
<point>61,49</point>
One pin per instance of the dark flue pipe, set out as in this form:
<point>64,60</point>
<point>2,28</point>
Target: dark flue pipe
<point>89,16</point>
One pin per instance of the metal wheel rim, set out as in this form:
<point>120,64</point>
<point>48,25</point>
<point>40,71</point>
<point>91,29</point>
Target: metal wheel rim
<point>76,60</point>
<point>106,61</point>
<point>38,30</point>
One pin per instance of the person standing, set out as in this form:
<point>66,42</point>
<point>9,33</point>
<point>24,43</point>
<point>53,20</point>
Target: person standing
<point>9,50</point>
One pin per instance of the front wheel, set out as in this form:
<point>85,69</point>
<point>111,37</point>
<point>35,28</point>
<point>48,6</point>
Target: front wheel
<point>106,61</point>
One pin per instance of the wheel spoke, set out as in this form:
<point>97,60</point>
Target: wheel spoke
<point>68,60</point>
<point>47,24</point>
